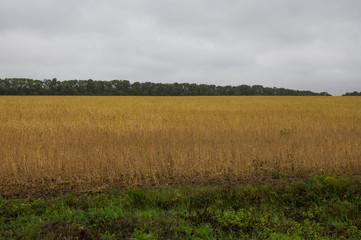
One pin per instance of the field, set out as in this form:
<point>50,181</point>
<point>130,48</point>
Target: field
<point>180,167</point>
<point>129,141</point>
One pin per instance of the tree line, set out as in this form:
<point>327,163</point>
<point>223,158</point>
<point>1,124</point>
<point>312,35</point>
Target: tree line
<point>25,86</point>
<point>352,94</point>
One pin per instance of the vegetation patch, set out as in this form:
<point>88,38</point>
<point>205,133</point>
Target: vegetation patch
<point>318,207</point>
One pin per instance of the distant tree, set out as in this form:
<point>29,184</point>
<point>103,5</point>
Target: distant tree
<point>82,87</point>
<point>257,90</point>
<point>90,87</point>
<point>136,89</point>
<point>324,94</point>
<point>70,87</point>
<point>354,93</point>
<point>193,89</point>
<point>51,86</point>
<point>24,86</point>
<point>245,89</point>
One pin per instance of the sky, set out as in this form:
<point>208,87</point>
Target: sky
<point>307,45</point>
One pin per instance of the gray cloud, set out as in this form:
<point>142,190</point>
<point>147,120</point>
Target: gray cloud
<point>307,44</point>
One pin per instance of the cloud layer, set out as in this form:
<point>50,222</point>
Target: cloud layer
<point>313,45</point>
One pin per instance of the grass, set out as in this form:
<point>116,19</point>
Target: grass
<point>49,143</point>
<point>318,207</point>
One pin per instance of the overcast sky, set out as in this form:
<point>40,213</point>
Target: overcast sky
<point>307,45</point>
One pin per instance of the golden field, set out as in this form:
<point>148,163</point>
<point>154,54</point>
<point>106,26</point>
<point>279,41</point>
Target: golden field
<point>159,140</point>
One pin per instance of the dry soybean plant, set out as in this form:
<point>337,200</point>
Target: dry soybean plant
<point>161,140</point>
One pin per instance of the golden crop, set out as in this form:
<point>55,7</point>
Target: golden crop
<point>157,140</point>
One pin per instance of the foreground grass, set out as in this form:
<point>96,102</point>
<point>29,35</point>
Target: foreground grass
<point>313,208</point>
